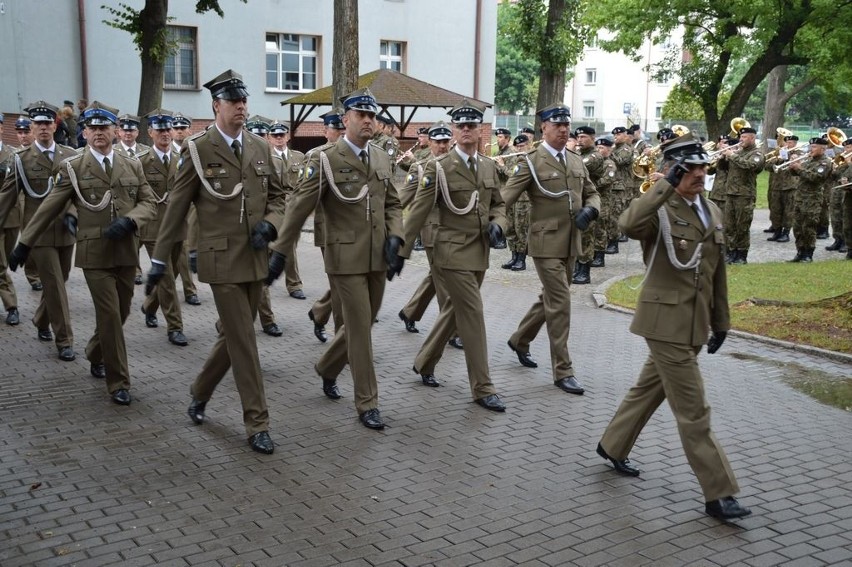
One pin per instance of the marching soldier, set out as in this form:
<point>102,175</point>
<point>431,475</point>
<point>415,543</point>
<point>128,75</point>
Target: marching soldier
<point>32,175</point>
<point>594,163</point>
<point>813,175</point>
<point>844,173</point>
<point>837,224</point>
<point>781,205</point>
<point>419,152</point>
<point>160,167</point>
<point>623,186</point>
<point>640,147</point>
<point>23,131</point>
<point>605,228</point>
<point>113,200</point>
<point>128,132</point>
<point>744,163</point>
<point>180,131</point>
<point>719,170</point>
<point>228,174</point>
<point>519,213</point>
<point>9,229</point>
<point>352,183</point>
<point>25,135</point>
<point>564,203</point>
<point>385,139</point>
<point>471,216</point>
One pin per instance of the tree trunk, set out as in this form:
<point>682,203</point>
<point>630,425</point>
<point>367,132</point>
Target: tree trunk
<point>344,61</point>
<point>153,19</point>
<point>551,86</point>
<point>773,111</point>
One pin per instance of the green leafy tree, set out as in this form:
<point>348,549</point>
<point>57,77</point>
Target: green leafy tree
<point>515,70</point>
<point>682,105</point>
<point>148,27</point>
<point>764,34</point>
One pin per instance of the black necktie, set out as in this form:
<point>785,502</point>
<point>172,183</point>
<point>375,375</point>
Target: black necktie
<point>166,160</point>
<point>130,151</point>
<point>561,159</point>
<point>47,154</point>
<point>698,214</point>
<point>237,151</point>
<point>108,167</point>
<point>471,164</point>
<point>365,159</point>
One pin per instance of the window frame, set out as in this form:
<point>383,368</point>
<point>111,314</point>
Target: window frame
<point>593,71</point>
<point>279,53</point>
<point>587,104</point>
<point>387,60</point>
<point>175,57</point>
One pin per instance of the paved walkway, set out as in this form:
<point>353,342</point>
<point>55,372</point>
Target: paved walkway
<point>86,482</point>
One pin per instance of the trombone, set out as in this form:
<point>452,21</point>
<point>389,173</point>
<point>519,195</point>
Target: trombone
<point>786,164</point>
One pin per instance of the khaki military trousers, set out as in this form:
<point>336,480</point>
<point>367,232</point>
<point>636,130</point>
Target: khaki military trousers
<point>112,293</point>
<point>554,308</point>
<point>359,297</point>
<point>236,348</point>
<point>185,273</point>
<point>165,295</point>
<point>8,238</point>
<point>321,309</point>
<point>54,265</point>
<point>291,271</point>
<point>422,297</point>
<point>461,314</point>
<point>671,373</point>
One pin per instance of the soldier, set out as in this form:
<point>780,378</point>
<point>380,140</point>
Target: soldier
<point>594,163</point>
<point>623,186</point>
<point>113,200</point>
<point>605,228</point>
<point>160,167</point>
<point>640,147</point>
<point>31,177</point>
<point>8,237</point>
<point>785,191</point>
<point>385,139</point>
<point>25,135</point>
<point>519,213</point>
<point>228,174</point>
<point>180,131</point>
<point>744,164</point>
<point>683,301</point>
<point>719,171</point>
<point>813,175</point>
<point>23,131</point>
<point>564,203</point>
<point>837,226</point>
<point>471,215</point>
<point>352,183</point>
<point>844,173</point>
<point>128,132</point>
<point>294,164</point>
<point>417,153</point>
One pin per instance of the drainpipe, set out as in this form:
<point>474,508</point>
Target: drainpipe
<point>84,60</point>
<point>477,49</point>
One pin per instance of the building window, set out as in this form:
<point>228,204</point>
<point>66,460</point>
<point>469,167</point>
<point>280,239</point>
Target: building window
<point>593,42</point>
<point>291,62</point>
<point>181,70</point>
<point>392,55</point>
<point>591,76</point>
<point>658,111</point>
<point>589,109</point>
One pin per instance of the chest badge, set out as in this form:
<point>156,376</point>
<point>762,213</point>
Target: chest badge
<point>681,245</point>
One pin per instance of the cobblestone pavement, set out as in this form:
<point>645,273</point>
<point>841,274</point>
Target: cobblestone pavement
<point>86,482</point>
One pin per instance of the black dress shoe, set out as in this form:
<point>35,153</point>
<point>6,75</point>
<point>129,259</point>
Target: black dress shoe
<point>66,354</point>
<point>45,335</point>
<point>623,238</point>
<point>297,294</point>
<point>150,319</point>
<point>138,280</point>
<point>429,380</point>
<point>273,330</point>
<point>37,286</point>
<point>456,342</point>
<point>262,443</point>
<point>410,326</point>
<point>196,411</point>
<point>193,299</point>
<point>492,402</point>
<point>623,466</point>
<point>12,317</point>
<point>372,419</point>
<point>330,389</point>
<point>523,357</point>
<point>121,397</point>
<point>319,330</point>
<point>726,509</point>
<point>570,385</point>
<point>178,338</point>
<point>98,370</point>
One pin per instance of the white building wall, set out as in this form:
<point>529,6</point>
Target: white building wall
<point>439,50</point>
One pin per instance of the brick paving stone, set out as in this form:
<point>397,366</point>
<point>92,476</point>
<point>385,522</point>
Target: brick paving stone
<point>445,484</point>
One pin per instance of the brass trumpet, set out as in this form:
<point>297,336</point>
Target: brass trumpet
<point>787,164</point>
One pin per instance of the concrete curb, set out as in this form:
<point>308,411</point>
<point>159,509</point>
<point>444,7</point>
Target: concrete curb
<point>599,295</point>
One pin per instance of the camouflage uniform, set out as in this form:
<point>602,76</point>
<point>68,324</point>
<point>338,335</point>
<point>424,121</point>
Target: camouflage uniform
<point>783,184</point>
<point>741,192</point>
<point>517,233</point>
<point>813,176</point>
<point>623,189</point>
<point>836,209</point>
<point>417,154</point>
<point>594,163</point>
<point>717,193</point>
<point>605,228</point>
<point>847,208</point>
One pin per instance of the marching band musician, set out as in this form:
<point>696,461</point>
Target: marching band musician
<point>744,163</point>
<point>813,174</point>
<point>784,185</point>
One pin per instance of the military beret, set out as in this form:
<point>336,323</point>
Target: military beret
<point>619,130</point>
<point>588,130</point>
<point>362,100</point>
<point>572,135</point>
<point>228,86</point>
<point>527,130</point>
<point>423,130</point>
<point>793,138</point>
<point>748,130</point>
<point>819,141</point>
<point>556,113</point>
<point>23,123</point>
<point>98,114</point>
<point>466,112</point>
<point>40,111</point>
<point>68,103</point>
<point>604,142</point>
<point>385,119</point>
<point>633,129</point>
<point>502,132</point>
<point>521,139</point>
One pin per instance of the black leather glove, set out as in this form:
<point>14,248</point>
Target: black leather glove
<point>193,261</point>
<point>119,228</point>
<point>716,340</point>
<point>277,261</point>
<point>394,260</point>
<point>155,274</point>
<point>675,173</point>
<point>584,217</point>
<point>70,222</point>
<point>495,234</point>
<point>262,234</point>
<point>18,256</point>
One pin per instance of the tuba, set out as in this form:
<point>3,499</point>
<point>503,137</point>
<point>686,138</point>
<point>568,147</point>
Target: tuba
<point>738,124</point>
<point>680,129</point>
<point>780,134</point>
<point>835,137</point>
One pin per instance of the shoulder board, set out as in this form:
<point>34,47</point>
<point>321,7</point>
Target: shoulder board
<point>64,147</point>
<point>297,153</point>
<point>321,148</point>
<point>194,137</point>
<point>254,136</point>
<point>20,150</point>
<point>74,157</point>
<point>574,151</point>
<point>143,153</point>
<point>377,145</point>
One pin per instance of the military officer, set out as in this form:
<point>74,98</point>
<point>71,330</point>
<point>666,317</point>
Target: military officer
<point>294,164</point>
<point>25,134</point>
<point>180,130</point>
<point>813,175</point>
<point>352,183</point>
<point>744,163</point>
<point>605,229</point>
<point>564,203</point>
<point>113,200</point>
<point>471,217</point>
<point>8,236</point>
<point>594,163</point>
<point>23,131</point>
<point>682,240</point>
<point>31,176</point>
<point>128,132</point>
<point>228,174</point>
<point>160,167</point>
